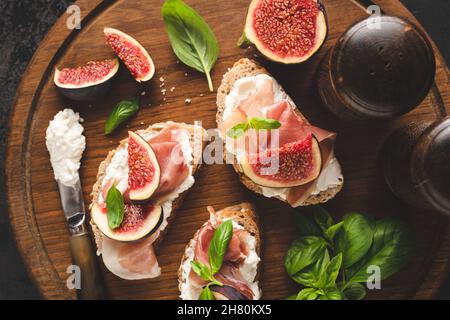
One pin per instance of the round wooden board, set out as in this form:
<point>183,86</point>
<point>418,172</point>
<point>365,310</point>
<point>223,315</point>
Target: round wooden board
<point>35,210</point>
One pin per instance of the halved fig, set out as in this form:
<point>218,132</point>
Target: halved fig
<point>132,53</point>
<point>291,165</point>
<point>286,31</point>
<point>88,82</point>
<point>139,221</point>
<point>143,169</point>
<point>226,292</point>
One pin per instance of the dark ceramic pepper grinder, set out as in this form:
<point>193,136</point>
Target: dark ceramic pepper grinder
<point>416,164</point>
<point>378,69</point>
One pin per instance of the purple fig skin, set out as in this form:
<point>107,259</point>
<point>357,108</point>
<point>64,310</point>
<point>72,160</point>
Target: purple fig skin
<point>226,293</point>
<point>91,92</point>
<point>155,228</point>
<point>87,94</point>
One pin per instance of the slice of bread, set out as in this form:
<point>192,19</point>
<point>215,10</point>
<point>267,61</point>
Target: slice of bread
<point>243,214</point>
<point>197,139</point>
<point>246,68</point>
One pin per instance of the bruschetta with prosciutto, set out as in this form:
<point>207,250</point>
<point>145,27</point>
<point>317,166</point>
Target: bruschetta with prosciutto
<point>139,185</point>
<point>290,159</point>
<point>237,277</point>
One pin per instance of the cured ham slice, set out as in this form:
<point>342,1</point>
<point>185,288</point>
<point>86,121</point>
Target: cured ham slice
<point>171,159</point>
<point>230,275</point>
<point>131,260</point>
<point>251,106</point>
<point>237,251</point>
<point>167,147</point>
<point>293,127</point>
<point>262,102</point>
<point>137,260</point>
<point>172,173</point>
<point>236,247</point>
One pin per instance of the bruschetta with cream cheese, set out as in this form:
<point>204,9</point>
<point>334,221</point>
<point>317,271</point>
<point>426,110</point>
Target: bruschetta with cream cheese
<point>306,172</point>
<point>139,185</point>
<point>238,275</point>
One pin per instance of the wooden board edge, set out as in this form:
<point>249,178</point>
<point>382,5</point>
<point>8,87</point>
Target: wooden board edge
<point>440,267</point>
<point>19,195</point>
<point>37,261</point>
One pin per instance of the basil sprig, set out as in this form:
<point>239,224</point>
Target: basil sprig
<point>206,294</point>
<point>330,260</point>
<point>122,111</point>
<point>192,40</point>
<point>219,245</point>
<point>216,251</point>
<point>115,207</point>
<point>253,123</point>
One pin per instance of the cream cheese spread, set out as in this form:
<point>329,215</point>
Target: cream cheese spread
<point>65,143</point>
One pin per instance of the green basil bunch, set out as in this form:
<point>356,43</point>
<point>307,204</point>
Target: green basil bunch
<point>216,251</point>
<point>330,260</point>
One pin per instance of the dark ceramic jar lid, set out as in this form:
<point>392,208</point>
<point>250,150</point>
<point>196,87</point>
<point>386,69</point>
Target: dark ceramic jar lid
<point>431,165</point>
<point>385,70</point>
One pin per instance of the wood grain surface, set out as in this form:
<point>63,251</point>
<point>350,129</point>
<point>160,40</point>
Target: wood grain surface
<point>35,210</point>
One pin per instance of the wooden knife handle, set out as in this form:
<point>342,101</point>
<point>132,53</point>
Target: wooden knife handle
<point>83,255</point>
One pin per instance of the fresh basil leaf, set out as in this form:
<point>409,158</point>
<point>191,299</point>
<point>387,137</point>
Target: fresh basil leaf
<point>320,216</point>
<point>311,275</point>
<point>306,278</point>
<point>331,272</point>
<point>354,291</point>
<point>219,245</point>
<point>122,111</point>
<point>392,246</point>
<point>306,226</point>
<point>115,207</point>
<point>206,294</point>
<point>263,123</point>
<point>354,239</point>
<point>322,274</point>
<point>254,123</point>
<point>309,294</point>
<point>238,130</point>
<point>331,231</point>
<point>332,294</point>
<point>201,269</point>
<point>192,40</point>
<point>304,252</point>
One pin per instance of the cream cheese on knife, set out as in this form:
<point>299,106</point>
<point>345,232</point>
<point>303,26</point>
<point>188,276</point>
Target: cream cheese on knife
<point>65,143</point>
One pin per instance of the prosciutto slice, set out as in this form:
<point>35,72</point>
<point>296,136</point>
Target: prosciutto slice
<point>137,260</point>
<point>237,251</point>
<point>262,103</point>
<point>167,147</point>
<point>172,174</point>
<point>230,275</point>
<point>131,260</point>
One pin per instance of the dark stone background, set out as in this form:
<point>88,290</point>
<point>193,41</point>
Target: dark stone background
<point>23,23</point>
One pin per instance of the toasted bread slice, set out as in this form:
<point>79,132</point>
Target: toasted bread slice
<point>243,214</point>
<point>197,139</point>
<point>246,68</point>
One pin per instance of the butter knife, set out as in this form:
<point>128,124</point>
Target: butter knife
<point>83,254</point>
